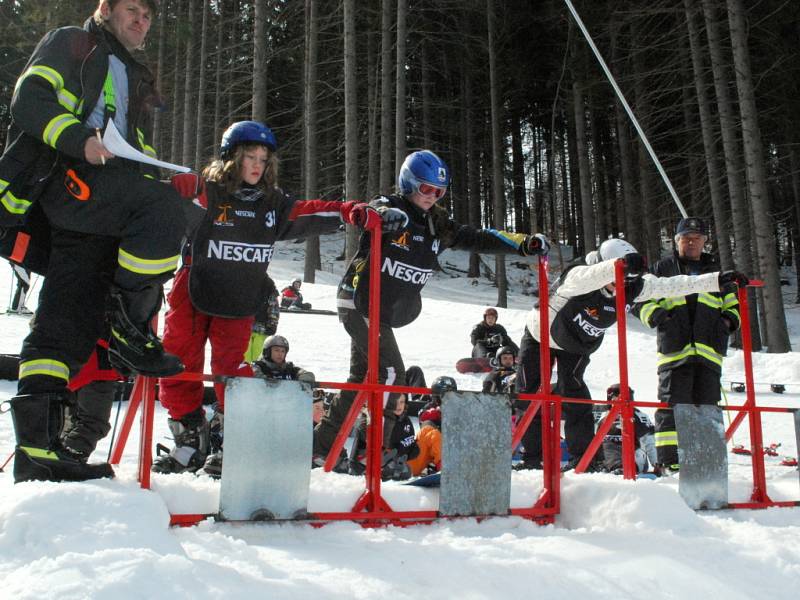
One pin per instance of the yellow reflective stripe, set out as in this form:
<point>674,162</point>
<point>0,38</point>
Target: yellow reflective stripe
<point>670,303</point>
<point>148,150</point>
<point>68,100</point>
<point>709,300</point>
<point>39,453</point>
<point>687,351</point>
<point>734,312</point>
<point>14,205</point>
<point>44,366</point>
<point>666,438</point>
<point>65,98</point>
<point>47,73</point>
<point>646,312</point>
<point>56,127</point>
<point>708,353</point>
<point>147,266</point>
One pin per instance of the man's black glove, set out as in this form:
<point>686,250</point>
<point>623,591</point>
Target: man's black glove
<point>635,264</point>
<point>728,277</point>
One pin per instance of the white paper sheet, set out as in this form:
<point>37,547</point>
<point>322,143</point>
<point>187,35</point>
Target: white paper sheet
<point>116,144</point>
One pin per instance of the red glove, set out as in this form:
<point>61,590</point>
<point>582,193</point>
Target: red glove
<point>360,214</point>
<point>189,185</point>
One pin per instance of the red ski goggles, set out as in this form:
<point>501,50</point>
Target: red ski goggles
<point>427,189</point>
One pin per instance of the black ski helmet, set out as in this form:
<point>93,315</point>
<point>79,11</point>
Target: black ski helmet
<point>443,384</point>
<point>613,391</point>
<point>505,350</point>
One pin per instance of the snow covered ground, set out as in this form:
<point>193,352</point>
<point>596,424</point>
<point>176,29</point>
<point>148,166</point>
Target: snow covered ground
<point>613,538</point>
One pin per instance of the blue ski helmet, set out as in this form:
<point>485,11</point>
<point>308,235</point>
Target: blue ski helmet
<point>246,132</point>
<point>422,167</point>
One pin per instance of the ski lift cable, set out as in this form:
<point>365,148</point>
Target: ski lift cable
<point>628,110</point>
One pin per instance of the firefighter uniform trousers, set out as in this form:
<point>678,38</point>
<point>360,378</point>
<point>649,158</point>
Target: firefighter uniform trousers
<point>121,229</point>
<point>689,383</point>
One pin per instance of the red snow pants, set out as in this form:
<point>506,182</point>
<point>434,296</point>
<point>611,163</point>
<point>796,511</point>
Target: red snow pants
<point>186,331</point>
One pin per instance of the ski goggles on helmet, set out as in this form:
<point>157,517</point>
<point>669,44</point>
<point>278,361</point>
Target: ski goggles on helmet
<point>426,189</point>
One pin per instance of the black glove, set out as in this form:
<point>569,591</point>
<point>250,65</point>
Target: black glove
<point>729,277</point>
<point>393,219</point>
<point>635,264</point>
<point>536,244</point>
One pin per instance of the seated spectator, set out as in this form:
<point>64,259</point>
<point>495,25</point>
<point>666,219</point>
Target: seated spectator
<point>487,336</point>
<point>403,446</point>
<point>429,439</point>
<point>504,373</point>
<point>644,432</point>
<point>292,298</point>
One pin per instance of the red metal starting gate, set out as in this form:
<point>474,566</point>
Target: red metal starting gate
<point>371,509</point>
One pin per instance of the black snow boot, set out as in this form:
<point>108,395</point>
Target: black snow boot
<point>133,347</point>
<point>39,455</point>
<point>191,444</point>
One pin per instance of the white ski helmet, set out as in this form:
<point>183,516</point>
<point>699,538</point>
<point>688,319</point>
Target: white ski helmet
<point>615,248</point>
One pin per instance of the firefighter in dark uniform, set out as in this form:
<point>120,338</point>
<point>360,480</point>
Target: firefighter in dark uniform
<point>419,231</point>
<point>115,231</point>
<point>692,336</point>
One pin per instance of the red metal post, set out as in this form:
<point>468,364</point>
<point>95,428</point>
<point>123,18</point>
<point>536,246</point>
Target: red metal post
<point>747,348</point>
<point>344,431</point>
<point>146,439</point>
<point>127,423</point>
<point>756,439</point>
<point>371,500</point>
<point>628,445</point>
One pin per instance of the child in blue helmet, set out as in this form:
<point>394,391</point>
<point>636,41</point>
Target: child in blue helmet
<point>241,213</point>
<point>420,230</point>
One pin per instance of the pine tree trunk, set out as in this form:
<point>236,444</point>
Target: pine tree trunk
<point>221,55</point>
<point>743,258</point>
<point>777,333</point>
<point>585,177</point>
<point>189,111</point>
<point>312,261</point>
<point>373,93</point>
<point>199,146</point>
<point>400,86</point>
<point>259,108</point>
<point>499,201</point>
<point>351,191</point>
<point>521,214</point>
<point>177,90</point>
<point>709,144</point>
<point>158,117</point>
<point>387,156</point>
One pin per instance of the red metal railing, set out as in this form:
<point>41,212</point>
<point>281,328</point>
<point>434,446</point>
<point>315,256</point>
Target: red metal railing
<point>371,509</point>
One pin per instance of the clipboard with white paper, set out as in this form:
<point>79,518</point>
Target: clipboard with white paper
<point>116,144</point>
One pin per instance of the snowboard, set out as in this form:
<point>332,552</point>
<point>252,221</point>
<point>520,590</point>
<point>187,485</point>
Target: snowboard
<point>473,365</point>
<point>432,480</point>
<point>703,456</point>
<point>309,311</point>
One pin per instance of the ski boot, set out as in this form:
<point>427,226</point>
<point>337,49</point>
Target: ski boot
<point>213,464</point>
<point>133,347</point>
<point>191,436</point>
<point>39,454</point>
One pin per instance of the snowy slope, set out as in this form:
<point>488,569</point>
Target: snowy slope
<point>613,539</point>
